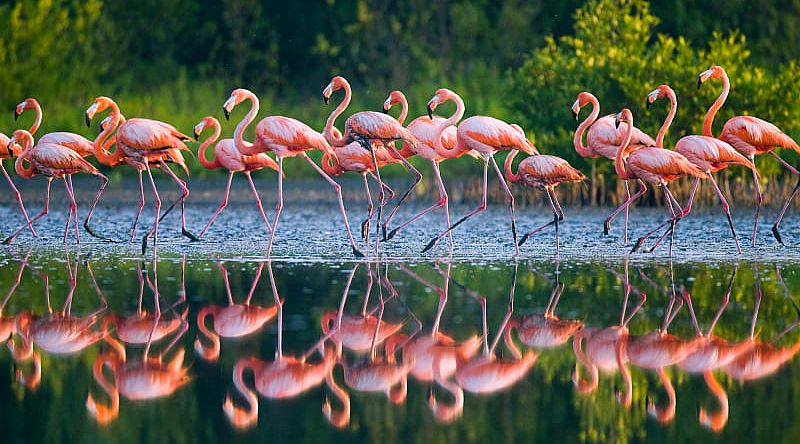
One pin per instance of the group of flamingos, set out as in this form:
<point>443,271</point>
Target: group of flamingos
<point>368,143</point>
<point>380,355</point>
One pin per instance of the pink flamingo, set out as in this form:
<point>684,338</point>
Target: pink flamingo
<point>75,142</point>
<point>603,139</point>
<point>369,128</point>
<point>286,137</point>
<point>226,155</point>
<point>56,162</point>
<point>751,136</point>
<point>543,172</point>
<point>433,145</point>
<point>233,321</point>
<point>655,165</point>
<point>8,151</point>
<point>142,143</point>
<point>486,135</point>
<point>707,153</point>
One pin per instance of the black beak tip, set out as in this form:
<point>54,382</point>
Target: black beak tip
<point>385,111</point>
<point>16,114</point>
<point>227,113</point>
<point>699,83</point>
<point>325,99</point>
<point>196,136</point>
<point>616,124</point>
<point>647,104</point>
<point>574,114</point>
<point>88,120</point>
<point>430,112</point>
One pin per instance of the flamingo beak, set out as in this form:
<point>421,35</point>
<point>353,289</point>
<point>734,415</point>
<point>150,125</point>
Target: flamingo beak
<point>647,103</point>
<point>196,135</point>
<point>17,112</point>
<point>88,120</point>
<point>325,99</point>
<point>430,111</point>
<point>226,113</point>
<point>385,111</point>
<point>574,114</point>
<point>616,122</point>
<point>699,81</point>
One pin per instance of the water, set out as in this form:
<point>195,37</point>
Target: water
<point>542,403</point>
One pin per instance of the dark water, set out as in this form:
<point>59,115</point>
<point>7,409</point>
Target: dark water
<point>751,392</point>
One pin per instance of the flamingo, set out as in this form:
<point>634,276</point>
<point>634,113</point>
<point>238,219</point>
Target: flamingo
<point>8,151</point>
<point>655,165</point>
<point>226,155</point>
<point>285,377</point>
<point>142,143</point>
<point>707,153</point>
<point>233,321</point>
<point>56,162</point>
<point>286,137</point>
<point>368,128</point>
<point>432,145</point>
<point>603,140</point>
<point>486,135</point>
<point>543,172</point>
<point>751,136</point>
<point>483,373</point>
<point>75,142</point>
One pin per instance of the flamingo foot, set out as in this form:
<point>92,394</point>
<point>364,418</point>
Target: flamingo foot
<point>777,235</point>
<point>365,229</point>
<point>357,253</point>
<point>523,240</point>
<point>391,235</point>
<point>606,227</point>
<point>8,240</point>
<point>144,244</point>
<point>93,234</point>
<point>188,234</point>
<point>430,245</point>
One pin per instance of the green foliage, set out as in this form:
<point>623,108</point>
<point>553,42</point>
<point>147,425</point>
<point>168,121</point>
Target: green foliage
<point>615,54</point>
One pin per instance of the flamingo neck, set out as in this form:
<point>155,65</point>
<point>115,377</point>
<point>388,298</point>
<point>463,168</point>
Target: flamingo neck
<point>717,420</point>
<point>673,107</point>
<point>328,132</point>
<point>446,412</point>
<point>577,140</point>
<point>664,414</point>
<point>27,145</point>
<point>238,134</point>
<point>619,159</point>
<point>712,111</point>
<point>243,416</point>
<point>38,120</point>
<point>330,164</point>
<point>208,353</point>
<point>510,175</point>
<point>403,109</point>
<point>100,145</point>
<point>452,120</point>
<point>201,152</point>
<point>582,385</point>
<point>338,419</point>
<point>102,413</point>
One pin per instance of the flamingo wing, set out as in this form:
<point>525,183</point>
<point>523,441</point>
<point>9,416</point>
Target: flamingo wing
<point>150,135</point>
<point>288,132</point>
<point>751,135</point>
<point>657,164</point>
<point>75,142</point>
<point>546,170</point>
<point>710,153</point>
<point>605,138</point>
<point>375,125</point>
<point>493,133</point>
<point>58,159</point>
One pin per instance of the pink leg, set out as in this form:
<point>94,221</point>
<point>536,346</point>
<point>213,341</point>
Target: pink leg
<point>417,179</point>
<point>141,205</point>
<point>278,300</point>
<point>73,209</point>
<point>472,213</point>
<point>671,221</point>
<point>258,201</point>
<point>370,210</point>
<point>222,204</point>
<point>627,211</point>
<point>556,218</point>
<point>103,184</point>
<point>510,203</point>
<point>338,190</point>
<point>788,200</point>
<point>757,192</point>
<point>157,202</point>
<point>726,209</point>
<point>682,213</point>
<point>442,202</point>
<point>18,196</point>
<point>626,204</point>
<point>39,216</point>
<point>182,200</point>
<point>278,208</point>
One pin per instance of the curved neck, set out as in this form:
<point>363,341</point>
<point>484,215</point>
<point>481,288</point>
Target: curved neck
<point>100,145</point>
<point>328,132</point>
<point>712,111</point>
<point>238,133</point>
<point>717,420</point>
<point>210,353</point>
<point>627,397</point>
<point>27,145</point>
<point>452,120</point>
<point>446,413</point>
<point>577,139</point>
<point>103,413</point>
<point>664,414</point>
<point>338,419</point>
<point>38,120</point>
<point>583,385</point>
<point>619,160</point>
<point>673,106</point>
<point>330,164</point>
<point>241,417</point>
<point>403,109</point>
<point>510,175</point>
<point>201,152</point>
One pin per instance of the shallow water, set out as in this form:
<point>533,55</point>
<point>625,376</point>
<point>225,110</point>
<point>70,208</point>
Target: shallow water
<point>540,402</point>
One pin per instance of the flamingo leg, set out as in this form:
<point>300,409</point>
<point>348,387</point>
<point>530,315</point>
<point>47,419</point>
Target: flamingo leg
<point>278,206</point>
<point>18,197</point>
<point>69,214</point>
<point>417,179</point>
<point>510,203</point>
<point>140,207</point>
<point>480,208</point>
<point>258,201</point>
<point>627,211</point>
<point>758,197</point>
<point>671,221</point>
<point>788,200</point>
<point>278,301</point>
<point>524,238</point>
<point>727,210</point>
<point>184,194</point>
<point>227,282</point>
<point>370,209</point>
<point>46,208</point>
<point>157,202</point>
<point>630,200</point>
<point>222,205</point>
<point>723,305</point>
<point>103,184</point>
<point>509,311</point>
<point>443,201</point>
<point>255,283</point>
<point>73,208</point>
<point>338,189</point>
<point>680,215</point>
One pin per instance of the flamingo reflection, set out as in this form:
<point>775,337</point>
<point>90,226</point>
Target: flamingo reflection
<point>8,324</point>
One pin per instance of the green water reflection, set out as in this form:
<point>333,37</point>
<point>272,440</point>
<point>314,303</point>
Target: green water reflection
<point>546,397</point>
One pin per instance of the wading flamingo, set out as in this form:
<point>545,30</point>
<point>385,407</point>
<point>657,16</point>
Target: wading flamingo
<point>750,136</point>
<point>707,153</point>
<point>285,377</point>
<point>286,137</point>
<point>603,140</point>
<point>232,321</point>
<point>370,128</point>
<point>8,151</point>
<point>436,142</point>
<point>226,155</point>
<point>486,135</point>
<point>75,142</point>
<point>543,172</point>
<point>56,162</point>
<point>655,165</point>
<point>142,143</point>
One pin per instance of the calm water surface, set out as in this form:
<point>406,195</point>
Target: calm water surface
<point>94,362</point>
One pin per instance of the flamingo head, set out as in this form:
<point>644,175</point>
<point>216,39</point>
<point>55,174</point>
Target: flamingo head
<point>624,116</point>
<point>583,99</point>
<point>28,103</point>
<point>22,136</point>
<point>658,93</point>
<point>442,95</point>
<point>715,72</point>
<point>336,83</point>
<point>99,104</point>
<point>206,122</point>
<point>394,98</point>
<point>237,96</point>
